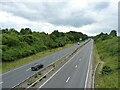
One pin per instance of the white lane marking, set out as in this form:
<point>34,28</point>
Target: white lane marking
<point>1,82</point>
<point>88,68</point>
<point>76,66</point>
<point>68,79</point>
<point>28,69</point>
<point>58,71</point>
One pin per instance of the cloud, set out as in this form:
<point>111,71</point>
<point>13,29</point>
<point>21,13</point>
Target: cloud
<point>57,13</point>
<point>101,5</point>
<point>86,16</point>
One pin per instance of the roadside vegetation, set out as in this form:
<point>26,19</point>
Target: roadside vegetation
<point>18,48</point>
<point>107,71</point>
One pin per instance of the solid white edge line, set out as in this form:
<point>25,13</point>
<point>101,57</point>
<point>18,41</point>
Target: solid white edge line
<point>58,71</point>
<point>68,79</point>
<point>28,69</point>
<point>88,68</point>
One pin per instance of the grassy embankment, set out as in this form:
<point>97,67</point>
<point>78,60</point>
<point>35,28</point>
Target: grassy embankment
<point>106,53</point>
<point>10,65</point>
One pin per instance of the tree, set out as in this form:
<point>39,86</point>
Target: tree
<point>5,30</point>
<point>16,45</point>
<point>25,31</point>
<point>56,33</point>
<point>113,33</point>
<point>12,30</point>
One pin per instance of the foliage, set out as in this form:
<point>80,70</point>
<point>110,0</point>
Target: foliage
<point>16,45</point>
<point>106,70</point>
<point>107,47</point>
<point>113,33</point>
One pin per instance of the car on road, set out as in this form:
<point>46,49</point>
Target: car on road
<point>36,67</point>
<point>78,43</point>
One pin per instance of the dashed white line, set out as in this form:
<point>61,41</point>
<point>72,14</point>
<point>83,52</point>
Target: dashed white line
<point>1,82</point>
<point>68,79</point>
<point>28,69</point>
<point>76,66</point>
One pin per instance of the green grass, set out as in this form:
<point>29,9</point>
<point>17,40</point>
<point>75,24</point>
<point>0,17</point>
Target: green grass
<point>6,66</point>
<point>58,62</point>
<point>108,53</point>
<point>95,57</point>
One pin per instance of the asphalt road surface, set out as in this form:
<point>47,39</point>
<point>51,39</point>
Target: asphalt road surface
<point>15,76</point>
<point>72,74</point>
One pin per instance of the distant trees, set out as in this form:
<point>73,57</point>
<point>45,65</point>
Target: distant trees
<point>104,36</point>
<point>113,33</point>
<point>25,31</point>
<point>16,45</point>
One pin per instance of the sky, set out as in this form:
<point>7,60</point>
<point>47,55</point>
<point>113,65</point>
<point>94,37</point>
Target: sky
<point>90,17</point>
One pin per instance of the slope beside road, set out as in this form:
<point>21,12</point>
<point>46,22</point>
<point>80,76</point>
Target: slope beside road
<point>74,73</point>
<point>15,76</point>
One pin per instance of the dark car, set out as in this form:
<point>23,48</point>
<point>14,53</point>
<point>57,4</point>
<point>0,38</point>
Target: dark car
<point>36,67</point>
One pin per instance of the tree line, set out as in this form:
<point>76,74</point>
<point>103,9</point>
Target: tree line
<point>107,46</point>
<point>104,36</point>
<point>16,45</point>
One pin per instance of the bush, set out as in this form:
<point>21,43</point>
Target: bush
<point>39,73</point>
<point>36,75</point>
<point>30,82</point>
<point>106,70</point>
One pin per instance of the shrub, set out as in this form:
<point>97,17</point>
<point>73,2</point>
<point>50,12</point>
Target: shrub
<point>30,82</point>
<point>39,73</point>
<point>106,70</point>
<point>36,75</point>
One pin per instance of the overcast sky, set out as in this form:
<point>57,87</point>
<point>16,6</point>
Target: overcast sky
<point>87,16</point>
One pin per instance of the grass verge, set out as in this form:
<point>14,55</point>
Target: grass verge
<point>96,58</point>
<point>107,57</point>
<point>6,66</point>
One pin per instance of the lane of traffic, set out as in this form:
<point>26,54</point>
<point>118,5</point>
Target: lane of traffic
<point>79,76</point>
<point>14,77</point>
<point>75,78</point>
